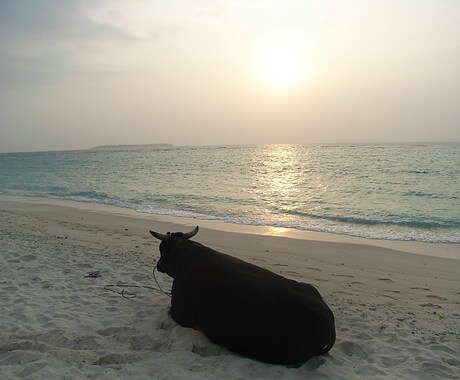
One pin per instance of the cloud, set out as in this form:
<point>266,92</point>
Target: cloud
<point>39,39</point>
<point>53,20</point>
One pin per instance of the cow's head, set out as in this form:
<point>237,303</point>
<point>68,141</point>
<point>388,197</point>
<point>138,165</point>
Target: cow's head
<point>168,241</point>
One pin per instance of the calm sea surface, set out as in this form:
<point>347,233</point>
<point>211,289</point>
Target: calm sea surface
<point>395,192</point>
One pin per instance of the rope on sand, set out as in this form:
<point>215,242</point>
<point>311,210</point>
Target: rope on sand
<point>126,294</point>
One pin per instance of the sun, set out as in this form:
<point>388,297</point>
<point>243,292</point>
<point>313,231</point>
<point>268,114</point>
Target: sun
<point>280,67</point>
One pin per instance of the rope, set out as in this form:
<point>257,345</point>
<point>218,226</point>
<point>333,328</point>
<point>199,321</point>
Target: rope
<point>126,294</point>
<point>158,284</point>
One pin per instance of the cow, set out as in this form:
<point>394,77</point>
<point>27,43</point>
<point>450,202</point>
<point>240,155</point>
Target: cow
<point>245,308</point>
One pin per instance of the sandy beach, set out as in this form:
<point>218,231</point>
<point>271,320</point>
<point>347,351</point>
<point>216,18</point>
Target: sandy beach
<point>396,304</point>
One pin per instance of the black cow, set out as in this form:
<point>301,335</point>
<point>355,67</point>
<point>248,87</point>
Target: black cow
<point>245,308</point>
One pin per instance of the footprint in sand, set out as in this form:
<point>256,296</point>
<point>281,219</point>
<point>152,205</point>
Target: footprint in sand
<point>207,351</point>
<point>28,257</point>
<point>143,342</point>
<point>117,331</point>
<point>392,361</point>
<point>30,369</point>
<point>343,275</point>
<point>139,277</point>
<point>387,296</point>
<point>351,349</point>
<point>115,359</point>
<point>341,291</point>
<point>437,297</point>
<point>386,279</point>
<point>429,304</point>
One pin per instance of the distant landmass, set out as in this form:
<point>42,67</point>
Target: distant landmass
<point>133,147</point>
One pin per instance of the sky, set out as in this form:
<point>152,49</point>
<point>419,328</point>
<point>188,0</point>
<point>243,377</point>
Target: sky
<point>79,73</point>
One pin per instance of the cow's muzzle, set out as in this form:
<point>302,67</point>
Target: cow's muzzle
<point>160,266</point>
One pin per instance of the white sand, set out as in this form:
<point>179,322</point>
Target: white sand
<point>397,313</point>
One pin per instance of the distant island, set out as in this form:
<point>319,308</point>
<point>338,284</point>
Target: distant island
<point>133,147</point>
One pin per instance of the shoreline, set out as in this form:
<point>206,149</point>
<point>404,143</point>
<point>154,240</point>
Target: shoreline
<point>397,313</point>
<point>442,250</point>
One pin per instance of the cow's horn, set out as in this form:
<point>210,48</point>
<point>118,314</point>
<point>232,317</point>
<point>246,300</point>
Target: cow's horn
<point>160,236</point>
<point>191,234</point>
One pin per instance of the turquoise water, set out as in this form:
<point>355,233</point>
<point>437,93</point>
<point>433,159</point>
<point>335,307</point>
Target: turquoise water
<point>392,191</point>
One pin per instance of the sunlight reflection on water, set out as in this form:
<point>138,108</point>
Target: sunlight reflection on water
<point>391,191</point>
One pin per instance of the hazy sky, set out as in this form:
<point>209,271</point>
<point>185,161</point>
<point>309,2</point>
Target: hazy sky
<point>79,73</point>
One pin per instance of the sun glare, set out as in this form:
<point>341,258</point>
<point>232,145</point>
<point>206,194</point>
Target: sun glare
<point>280,67</point>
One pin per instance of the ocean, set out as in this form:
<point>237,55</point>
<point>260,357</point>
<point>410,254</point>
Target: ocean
<point>387,191</point>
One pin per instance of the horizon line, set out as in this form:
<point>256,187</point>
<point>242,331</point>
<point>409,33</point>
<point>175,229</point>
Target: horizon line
<point>173,146</point>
